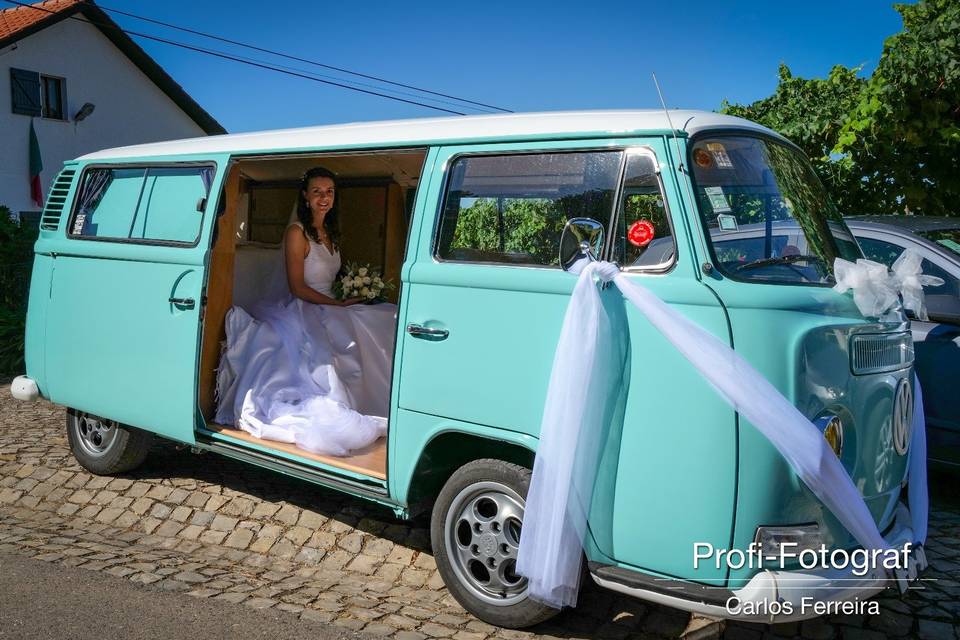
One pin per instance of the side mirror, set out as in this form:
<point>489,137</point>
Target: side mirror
<point>581,242</point>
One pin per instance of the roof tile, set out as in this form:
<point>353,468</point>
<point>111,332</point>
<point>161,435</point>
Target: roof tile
<point>22,21</point>
<point>19,18</point>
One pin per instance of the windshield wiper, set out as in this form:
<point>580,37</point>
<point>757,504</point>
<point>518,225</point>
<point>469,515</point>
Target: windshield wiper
<point>763,262</point>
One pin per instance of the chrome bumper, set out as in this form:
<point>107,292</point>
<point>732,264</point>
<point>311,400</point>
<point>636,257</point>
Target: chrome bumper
<point>798,594</point>
<point>23,388</point>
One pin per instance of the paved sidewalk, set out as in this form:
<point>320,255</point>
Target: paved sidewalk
<point>214,528</point>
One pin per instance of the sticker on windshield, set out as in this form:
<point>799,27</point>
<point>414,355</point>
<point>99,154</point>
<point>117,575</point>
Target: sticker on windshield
<point>702,158</point>
<point>641,233</point>
<point>727,222</point>
<point>720,155</point>
<point>718,201</point>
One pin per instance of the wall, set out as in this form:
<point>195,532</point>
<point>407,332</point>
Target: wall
<point>130,109</point>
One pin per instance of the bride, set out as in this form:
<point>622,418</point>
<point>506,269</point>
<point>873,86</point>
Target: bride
<point>307,368</point>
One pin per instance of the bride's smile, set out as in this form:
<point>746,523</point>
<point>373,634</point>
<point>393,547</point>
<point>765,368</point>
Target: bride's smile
<point>320,195</point>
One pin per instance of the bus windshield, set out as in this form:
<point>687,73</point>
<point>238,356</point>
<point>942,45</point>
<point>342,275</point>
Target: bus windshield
<point>768,216</point>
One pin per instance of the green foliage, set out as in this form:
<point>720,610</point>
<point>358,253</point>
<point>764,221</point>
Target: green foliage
<point>16,261</point>
<point>889,143</point>
<point>12,329</point>
<point>811,113</point>
<point>903,135</point>
<point>16,241</point>
<point>641,206</point>
<point>646,206</point>
<point>530,228</point>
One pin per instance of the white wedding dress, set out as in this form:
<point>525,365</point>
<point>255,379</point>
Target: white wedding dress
<point>317,376</point>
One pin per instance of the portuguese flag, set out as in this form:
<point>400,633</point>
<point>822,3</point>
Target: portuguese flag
<point>36,166</point>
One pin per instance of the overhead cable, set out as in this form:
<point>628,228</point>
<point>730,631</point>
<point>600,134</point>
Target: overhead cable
<point>299,59</point>
<point>234,58</point>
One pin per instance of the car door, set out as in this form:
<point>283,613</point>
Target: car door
<point>125,297</point>
<point>484,295</point>
<point>484,303</point>
<point>669,480</point>
<point>936,342</point>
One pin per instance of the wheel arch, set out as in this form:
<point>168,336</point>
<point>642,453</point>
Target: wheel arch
<point>449,450</point>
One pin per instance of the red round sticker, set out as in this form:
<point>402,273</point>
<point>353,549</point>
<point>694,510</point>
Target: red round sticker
<point>641,233</point>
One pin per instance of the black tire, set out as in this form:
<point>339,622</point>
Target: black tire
<point>475,527</point>
<point>105,447</point>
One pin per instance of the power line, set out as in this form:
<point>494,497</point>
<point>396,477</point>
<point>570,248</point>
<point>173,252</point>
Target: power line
<point>298,59</point>
<point>353,82</point>
<point>241,60</point>
<point>233,58</point>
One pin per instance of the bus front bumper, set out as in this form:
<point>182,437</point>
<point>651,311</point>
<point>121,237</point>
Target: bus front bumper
<point>775,596</point>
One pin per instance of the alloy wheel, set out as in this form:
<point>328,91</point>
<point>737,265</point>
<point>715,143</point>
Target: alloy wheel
<point>482,537</point>
<point>95,434</point>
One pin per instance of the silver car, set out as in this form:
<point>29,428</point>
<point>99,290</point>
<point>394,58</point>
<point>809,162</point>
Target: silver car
<point>937,342</point>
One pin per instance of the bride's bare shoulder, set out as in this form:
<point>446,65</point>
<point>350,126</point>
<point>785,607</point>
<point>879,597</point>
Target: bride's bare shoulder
<point>295,239</point>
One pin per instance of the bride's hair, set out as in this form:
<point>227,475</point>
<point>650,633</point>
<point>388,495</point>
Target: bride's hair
<point>331,222</point>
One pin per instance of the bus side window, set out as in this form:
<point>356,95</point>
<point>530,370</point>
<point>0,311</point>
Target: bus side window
<point>512,209</point>
<point>149,204</point>
<point>651,244</point>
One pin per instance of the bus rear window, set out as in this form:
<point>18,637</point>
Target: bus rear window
<point>159,204</point>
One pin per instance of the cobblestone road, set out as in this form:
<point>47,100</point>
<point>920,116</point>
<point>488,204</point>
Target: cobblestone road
<point>214,528</point>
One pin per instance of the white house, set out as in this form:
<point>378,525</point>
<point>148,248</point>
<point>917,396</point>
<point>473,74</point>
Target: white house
<point>85,85</point>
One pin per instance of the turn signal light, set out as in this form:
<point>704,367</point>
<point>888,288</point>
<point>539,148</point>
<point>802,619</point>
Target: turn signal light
<point>832,430</point>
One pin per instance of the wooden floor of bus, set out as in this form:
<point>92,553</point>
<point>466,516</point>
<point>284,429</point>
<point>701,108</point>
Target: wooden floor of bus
<point>371,460</point>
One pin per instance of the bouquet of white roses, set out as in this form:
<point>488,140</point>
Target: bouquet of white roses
<point>361,282</point>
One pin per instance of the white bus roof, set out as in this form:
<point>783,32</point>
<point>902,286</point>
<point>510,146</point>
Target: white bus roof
<point>430,131</point>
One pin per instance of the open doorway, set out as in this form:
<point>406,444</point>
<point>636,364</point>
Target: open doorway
<point>375,192</point>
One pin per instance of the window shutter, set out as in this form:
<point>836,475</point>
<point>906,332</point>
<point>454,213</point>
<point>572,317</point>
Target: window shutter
<point>25,89</point>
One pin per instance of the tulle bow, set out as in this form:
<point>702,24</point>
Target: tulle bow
<point>604,271</point>
<point>909,279</point>
<point>876,289</point>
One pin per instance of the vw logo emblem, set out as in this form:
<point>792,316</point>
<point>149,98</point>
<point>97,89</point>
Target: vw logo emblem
<point>902,417</point>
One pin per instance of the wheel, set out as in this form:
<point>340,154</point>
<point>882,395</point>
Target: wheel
<point>475,533</point>
<point>105,447</point>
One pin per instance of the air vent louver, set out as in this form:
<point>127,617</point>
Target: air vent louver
<point>880,353</point>
<point>56,200</point>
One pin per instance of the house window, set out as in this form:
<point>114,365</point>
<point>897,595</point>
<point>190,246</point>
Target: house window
<point>52,97</point>
<point>35,95</point>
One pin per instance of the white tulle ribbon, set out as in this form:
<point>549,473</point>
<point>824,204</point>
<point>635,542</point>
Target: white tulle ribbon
<point>565,467</point>
<point>917,491</point>
<point>558,501</point>
<point>877,289</point>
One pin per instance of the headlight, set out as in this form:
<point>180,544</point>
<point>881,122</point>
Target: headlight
<point>832,430</point>
<point>797,537</point>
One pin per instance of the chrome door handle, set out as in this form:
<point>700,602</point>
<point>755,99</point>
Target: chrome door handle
<point>427,332</point>
<point>183,302</point>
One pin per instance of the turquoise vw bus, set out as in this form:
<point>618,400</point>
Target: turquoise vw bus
<point>144,249</point>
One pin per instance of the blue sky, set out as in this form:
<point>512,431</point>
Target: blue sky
<point>532,56</point>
